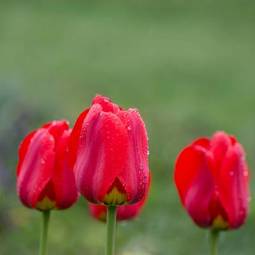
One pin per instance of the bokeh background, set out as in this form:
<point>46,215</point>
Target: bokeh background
<point>189,66</point>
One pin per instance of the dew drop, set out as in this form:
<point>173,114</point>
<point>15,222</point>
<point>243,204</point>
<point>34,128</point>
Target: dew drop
<point>42,161</point>
<point>245,173</point>
<point>128,128</point>
<point>231,173</point>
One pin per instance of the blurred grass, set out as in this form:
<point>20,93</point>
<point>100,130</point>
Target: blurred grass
<point>187,65</point>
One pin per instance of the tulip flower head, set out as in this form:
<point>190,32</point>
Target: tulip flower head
<point>45,178</point>
<point>110,151</point>
<point>211,176</point>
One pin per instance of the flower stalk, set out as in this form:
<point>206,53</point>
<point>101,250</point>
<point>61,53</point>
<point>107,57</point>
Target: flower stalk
<point>44,232</point>
<point>111,230</point>
<point>214,236</point>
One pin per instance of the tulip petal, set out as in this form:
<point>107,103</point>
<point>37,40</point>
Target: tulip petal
<point>99,212</point>
<point>37,167</point>
<point>195,183</point>
<point>128,212</point>
<point>220,143</point>
<point>106,104</point>
<point>63,177</point>
<point>233,186</point>
<point>23,149</point>
<point>203,142</point>
<point>135,175</point>
<point>101,153</point>
<point>56,128</point>
<point>75,136</point>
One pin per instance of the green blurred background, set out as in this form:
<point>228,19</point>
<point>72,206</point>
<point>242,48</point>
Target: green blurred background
<point>189,66</point>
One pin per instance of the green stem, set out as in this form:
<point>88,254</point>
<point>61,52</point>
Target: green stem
<point>214,236</point>
<point>44,232</point>
<point>111,230</point>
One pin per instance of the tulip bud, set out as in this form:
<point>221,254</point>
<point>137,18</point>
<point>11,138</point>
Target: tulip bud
<point>211,176</point>
<point>45,178</point>
<point>110,150</point>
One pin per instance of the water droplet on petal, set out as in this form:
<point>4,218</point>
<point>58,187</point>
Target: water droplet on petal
<point>231,173</point>
<point>245,173</point>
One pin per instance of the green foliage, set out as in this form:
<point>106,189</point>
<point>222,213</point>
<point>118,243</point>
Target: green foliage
<point>187,65</point>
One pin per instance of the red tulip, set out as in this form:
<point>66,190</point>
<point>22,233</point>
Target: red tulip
<point>109,146</point>
<point>211,176</point>
<point>45,179</point>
